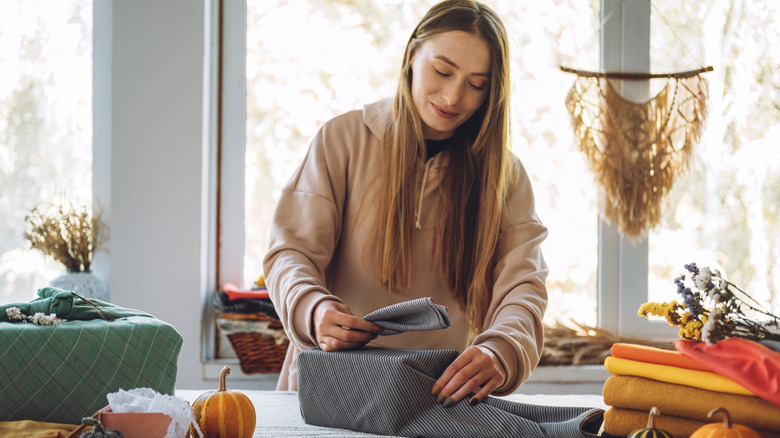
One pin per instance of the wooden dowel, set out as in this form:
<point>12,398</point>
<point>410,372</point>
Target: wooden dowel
<point>636,76</point>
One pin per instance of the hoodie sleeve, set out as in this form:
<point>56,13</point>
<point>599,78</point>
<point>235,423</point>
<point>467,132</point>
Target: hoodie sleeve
<point>513,327</point>
<point>305,231</point>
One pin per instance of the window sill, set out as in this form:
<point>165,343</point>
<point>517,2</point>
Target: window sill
<point>566,379</point>
<point>264,381</point>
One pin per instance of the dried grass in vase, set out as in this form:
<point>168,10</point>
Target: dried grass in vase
<point>70,235</point>
<point>579,344</point>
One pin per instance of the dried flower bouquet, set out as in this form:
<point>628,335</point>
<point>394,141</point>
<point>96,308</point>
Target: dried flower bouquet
<point>713,309</point>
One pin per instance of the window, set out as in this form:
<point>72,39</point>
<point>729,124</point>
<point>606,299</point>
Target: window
<point>351,56</point>
<point>722,212</point>
<point>45,128</point>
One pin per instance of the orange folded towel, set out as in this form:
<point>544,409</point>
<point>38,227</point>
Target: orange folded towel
<point>644,353</point>
<point>641,394</point>
<point>749,363</point>
<point>669,374</point>
<point>621,422</point>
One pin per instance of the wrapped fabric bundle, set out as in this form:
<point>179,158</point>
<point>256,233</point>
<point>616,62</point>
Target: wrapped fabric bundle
<point>387,391</point>
<point>67,305</point>
<point>63,373</point>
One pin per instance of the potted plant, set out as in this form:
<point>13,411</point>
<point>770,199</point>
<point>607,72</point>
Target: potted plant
<point>71,235</point>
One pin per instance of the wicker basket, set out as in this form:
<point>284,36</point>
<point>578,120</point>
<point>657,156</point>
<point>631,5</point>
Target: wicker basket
<point>257,338</point>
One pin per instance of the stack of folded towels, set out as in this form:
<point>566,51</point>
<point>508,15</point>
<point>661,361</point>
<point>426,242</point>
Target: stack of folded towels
<point>685,385</point>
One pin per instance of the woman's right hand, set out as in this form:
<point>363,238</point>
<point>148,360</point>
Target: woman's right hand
<point>336,328</point>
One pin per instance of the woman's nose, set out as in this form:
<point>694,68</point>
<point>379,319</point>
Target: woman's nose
<point>452,93</point>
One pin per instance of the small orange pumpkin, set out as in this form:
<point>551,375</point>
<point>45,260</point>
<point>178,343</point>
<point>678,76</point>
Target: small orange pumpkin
<point>724,430</point>
<point>650,431</point>
<point>224,413</point>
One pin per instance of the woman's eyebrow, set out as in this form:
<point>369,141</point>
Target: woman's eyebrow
<point>452,63</point>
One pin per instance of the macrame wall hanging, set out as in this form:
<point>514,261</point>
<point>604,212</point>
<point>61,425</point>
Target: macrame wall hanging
<point>637,150</point>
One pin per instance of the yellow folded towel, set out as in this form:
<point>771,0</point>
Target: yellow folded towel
<point>679,376</point>
<point>621,422</point>
<point>641,394</point>
<point>35,429</point>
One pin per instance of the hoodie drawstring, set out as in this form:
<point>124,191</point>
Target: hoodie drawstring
<point>418,215</point>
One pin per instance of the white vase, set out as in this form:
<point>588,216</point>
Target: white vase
<point>85,284</point>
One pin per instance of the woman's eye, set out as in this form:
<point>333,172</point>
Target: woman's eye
<point>477,87</point>
<point>440,73</point>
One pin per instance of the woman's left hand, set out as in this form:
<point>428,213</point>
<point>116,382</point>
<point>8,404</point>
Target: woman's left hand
<point>476,367</point>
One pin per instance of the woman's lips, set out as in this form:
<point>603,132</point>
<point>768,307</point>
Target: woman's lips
<point>443,113</point>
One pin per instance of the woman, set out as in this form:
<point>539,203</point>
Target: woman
<point>419,197</point>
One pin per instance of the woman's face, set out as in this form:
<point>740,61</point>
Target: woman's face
<point>450,81</point>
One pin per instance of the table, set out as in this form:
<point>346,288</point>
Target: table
<point>278,412</point>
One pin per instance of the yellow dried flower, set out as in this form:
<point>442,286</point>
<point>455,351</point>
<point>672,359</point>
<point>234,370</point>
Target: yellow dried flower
<point>669,311</point>
<point>691,328</point>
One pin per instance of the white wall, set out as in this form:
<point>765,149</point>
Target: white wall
<point>150,133</point>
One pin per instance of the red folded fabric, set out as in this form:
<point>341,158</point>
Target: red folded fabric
<point>644,353</point>
<point>748,363</point>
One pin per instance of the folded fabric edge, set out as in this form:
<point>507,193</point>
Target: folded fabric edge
<point>441,312</point>
<point>621,422</point>
<point>592,422</point>
<point>640,393</point>
<point>669,374</point>
<point>746,362</point>
<point>650,354</point>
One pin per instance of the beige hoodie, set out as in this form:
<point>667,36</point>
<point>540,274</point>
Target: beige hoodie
<point>316,252</point>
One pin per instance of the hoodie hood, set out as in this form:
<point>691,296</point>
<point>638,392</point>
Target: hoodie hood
<point>378,116</point>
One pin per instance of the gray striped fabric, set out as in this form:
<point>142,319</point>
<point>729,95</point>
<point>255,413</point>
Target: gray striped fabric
<point>387,391</point>
<point>414,315</point>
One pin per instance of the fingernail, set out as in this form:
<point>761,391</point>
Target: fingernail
<point>440,398</point>
<point>322,346</point>
<point>436,389</point>
<point>447,403</point>
<point>474,401</point>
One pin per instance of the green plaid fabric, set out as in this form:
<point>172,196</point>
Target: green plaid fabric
<point>62,373</point>
<point>67,305</point>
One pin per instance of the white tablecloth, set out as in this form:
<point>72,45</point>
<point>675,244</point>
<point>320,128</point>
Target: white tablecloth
<point>278,413</point>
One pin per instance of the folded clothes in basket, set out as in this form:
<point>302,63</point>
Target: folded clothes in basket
<point>222,303</point>
<point>257,338</point>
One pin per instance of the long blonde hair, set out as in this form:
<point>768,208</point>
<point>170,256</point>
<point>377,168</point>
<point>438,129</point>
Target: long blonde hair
<point>474,188</point>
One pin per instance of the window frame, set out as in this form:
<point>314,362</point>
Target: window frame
<point>231,142</point>
<point>228,115</point>
<point>622,266</point>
